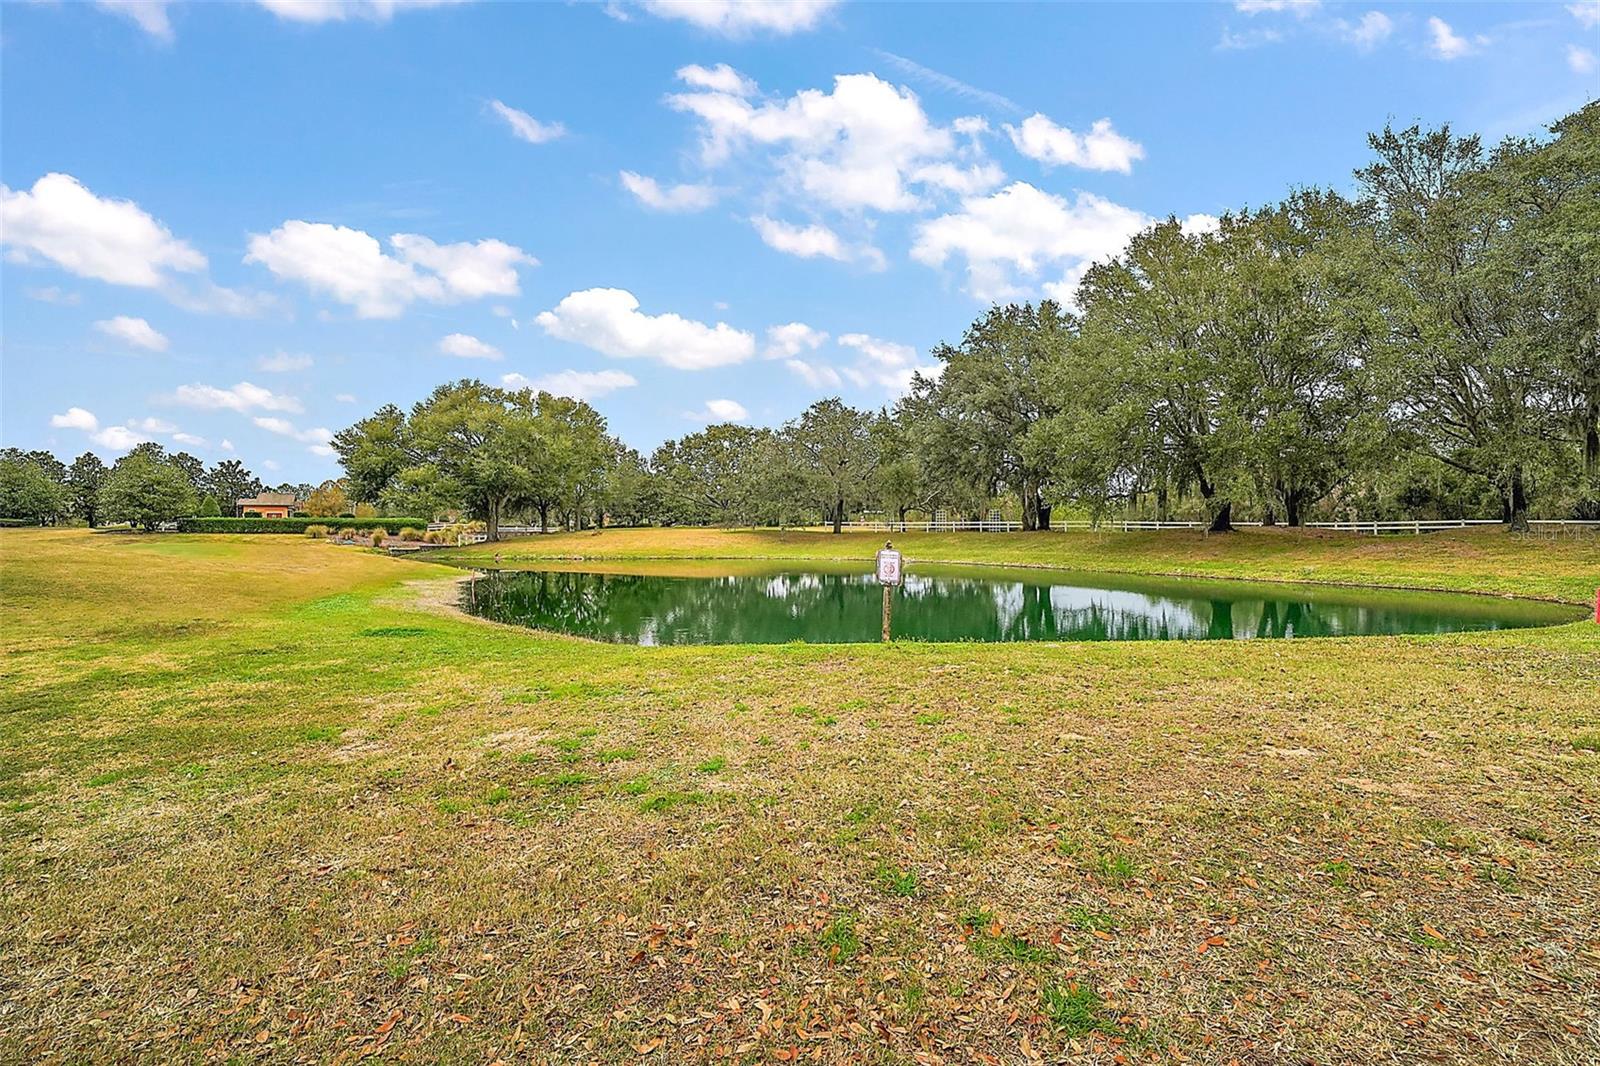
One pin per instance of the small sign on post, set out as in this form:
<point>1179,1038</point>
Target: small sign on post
<point>889,566</point>
<point>890,575</point>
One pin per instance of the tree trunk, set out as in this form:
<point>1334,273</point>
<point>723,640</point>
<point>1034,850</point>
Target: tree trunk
<point>544,517</point>
<point>1222,522</point>
<point>492,519</point>
<point>838,516</point>
<point>1268,518</point>
<point>1161,501</point>
<point>1291,508</point>
<point>1030,506</point>
<point>1591,442</point>
<point>1044,516</point>
<point>1519,502</point>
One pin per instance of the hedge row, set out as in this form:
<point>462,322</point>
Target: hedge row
<point>294,525</point>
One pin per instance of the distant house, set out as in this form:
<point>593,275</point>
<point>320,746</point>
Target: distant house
<point>268,505</point>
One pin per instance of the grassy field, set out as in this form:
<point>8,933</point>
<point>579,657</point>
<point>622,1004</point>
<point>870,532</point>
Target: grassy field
<point>268,799</point>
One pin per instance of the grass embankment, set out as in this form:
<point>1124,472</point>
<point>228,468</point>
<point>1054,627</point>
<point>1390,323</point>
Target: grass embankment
<point>261,805</point>
<point>1479,560</point>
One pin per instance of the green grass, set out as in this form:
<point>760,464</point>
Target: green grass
<point>840,941</point>
<point>1074,1009</point>
<point>899,882</point>
<point>244,778</point>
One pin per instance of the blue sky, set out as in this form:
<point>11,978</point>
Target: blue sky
<point>232,228</point>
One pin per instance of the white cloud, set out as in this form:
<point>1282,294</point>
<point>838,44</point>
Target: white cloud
<point>719,411</point>
<point>790,340</point>
<point>352,267</point>
<point>1447,44</point>
<point>109,240</point>
<point>318,437</point>
<point>1201,223</point>
<point>720,78</point>
<point>880,352</point>
<point>149,15</point>
<point>347,264</point>
<point>135,332</point>
<point>269,464</point>
<point>807,242</point>
<point>54,294</point>
<point>225,444</point>
<point>118,438</point>
<point>578,384</point>
<point>241,397</point>
<point>313,11</point>
<point>1255,38</point>
<point>1102,148</point>
<point>609,321</point>
<point>887,364</point>
<point>878,363</point>
<point>1372,30</point>
<point>817,375</point>
<point>1581,60</point>
<point>1300,8</point>
<point>1021,230</point>
<point>210,298</point>
<point>283,362</point>
<point>344,397</point>
<point>963,181</point>
<point>742,18</point>
<point>676,198</point>
<point>470,270</point>
<point>525,126</point>
<point>1587,12</point>
<point>152,425</point>
<point>190,439</point>
<point>862,145</point>
<point>463,346</point>
<point>76,418</point>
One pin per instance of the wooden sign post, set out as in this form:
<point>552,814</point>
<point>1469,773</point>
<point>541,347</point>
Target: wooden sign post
<point>890,575</point>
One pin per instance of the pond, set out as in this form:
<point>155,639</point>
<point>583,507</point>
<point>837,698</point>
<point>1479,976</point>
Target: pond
<point>819,603</point>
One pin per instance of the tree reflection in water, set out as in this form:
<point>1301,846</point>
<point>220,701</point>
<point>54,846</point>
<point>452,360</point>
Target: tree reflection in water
<point>983,605</point>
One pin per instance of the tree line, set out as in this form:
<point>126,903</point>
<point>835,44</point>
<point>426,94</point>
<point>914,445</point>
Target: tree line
<point>1427,345</point>
<point>1430,343</point>
<point>146,486</point>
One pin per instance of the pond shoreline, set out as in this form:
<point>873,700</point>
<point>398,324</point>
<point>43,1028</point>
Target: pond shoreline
<point>774,601</point>
<point>866,564</point>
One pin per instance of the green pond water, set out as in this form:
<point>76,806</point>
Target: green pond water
<point>773,603</point>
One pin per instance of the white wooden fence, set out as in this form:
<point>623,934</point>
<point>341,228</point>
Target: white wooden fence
<point>1542,526</point>
<point>1552,526</point>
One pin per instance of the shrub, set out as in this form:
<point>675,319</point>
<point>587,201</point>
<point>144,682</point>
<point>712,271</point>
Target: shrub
<point>377,536</point>
<point>317,532</point>
<point>410,533</point>
<point>294,526</point>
